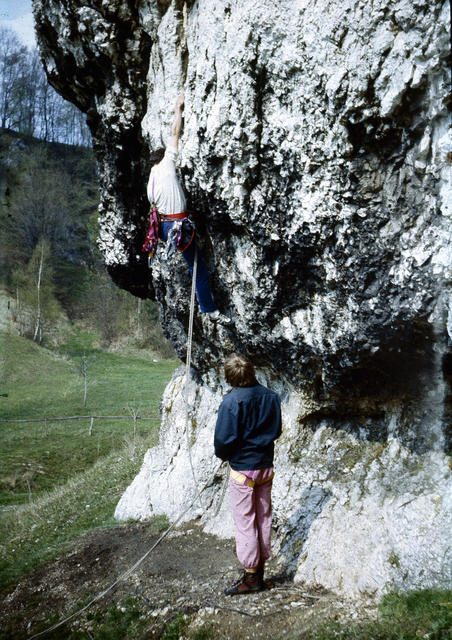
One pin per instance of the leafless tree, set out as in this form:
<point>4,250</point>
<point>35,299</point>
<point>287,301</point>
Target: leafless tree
<point>84,373</point>
<point>28,103</point>
<point>39,307</point>
<point>12,61</point>
<point>38,328</point>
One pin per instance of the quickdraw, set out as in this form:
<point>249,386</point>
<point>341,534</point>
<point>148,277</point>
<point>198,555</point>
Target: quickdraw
<point>180,236</point>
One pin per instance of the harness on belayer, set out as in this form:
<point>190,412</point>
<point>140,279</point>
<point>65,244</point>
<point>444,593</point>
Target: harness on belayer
<point>180,236</point>
<point>247,480</point>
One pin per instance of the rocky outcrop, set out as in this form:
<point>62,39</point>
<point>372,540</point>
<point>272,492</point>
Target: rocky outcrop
<point>315,154</point>
<point>95,55</point>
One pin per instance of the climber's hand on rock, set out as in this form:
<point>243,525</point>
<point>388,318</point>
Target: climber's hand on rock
<point>177,122</point>
<point>180,102</point>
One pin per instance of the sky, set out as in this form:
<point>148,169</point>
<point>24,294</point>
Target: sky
<point>17,15</point>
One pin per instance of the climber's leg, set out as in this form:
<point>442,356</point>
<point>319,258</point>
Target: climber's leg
<point>203,293</point>
<point>206,303</point>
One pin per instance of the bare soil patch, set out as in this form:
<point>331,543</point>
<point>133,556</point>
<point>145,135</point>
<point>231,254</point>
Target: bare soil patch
<point>186,574</point>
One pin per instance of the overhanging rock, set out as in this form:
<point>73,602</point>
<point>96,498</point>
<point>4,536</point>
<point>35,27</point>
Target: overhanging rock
<point>316,156</point>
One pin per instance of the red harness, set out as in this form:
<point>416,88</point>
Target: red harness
<point>152,236</point>
<point>169,217</point>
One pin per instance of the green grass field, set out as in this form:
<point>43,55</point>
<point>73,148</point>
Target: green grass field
<point>40,383</point>
<point>51,471</point>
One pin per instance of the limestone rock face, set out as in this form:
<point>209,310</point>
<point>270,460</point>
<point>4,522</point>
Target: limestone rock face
<point>316,157</point>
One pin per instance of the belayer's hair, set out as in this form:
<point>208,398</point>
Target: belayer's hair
<point>239,371</point>
<point>156,156</point>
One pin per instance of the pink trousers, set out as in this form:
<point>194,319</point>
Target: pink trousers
<point>252,513</point>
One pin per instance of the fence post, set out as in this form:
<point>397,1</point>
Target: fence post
<point>91,426</point>
<point>134,426</point>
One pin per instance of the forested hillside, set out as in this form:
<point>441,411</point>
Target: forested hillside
<point>49,195</point>
<point>49,198</point>
<point>49,261</point>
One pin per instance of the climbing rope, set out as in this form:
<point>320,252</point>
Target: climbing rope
<point>190,320</point>
<point>188,364</point>
<point>129,571</point>
<point>223,492</point>
<point>186,385</point>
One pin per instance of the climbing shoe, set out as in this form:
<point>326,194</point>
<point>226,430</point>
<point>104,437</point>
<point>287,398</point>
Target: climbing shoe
<point>219,318</point>
<point>249,583</point>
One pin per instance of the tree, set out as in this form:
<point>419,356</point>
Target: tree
<point>38,326</point>
<point>38,308</point>
<point>12,62</point>
<point>28,103</point>
<point>39,206</point>
<point>84,374</point>
<point>51,197</point>
<point>26,94</point>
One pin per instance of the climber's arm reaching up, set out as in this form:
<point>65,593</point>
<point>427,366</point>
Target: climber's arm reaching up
<point>177,122</point>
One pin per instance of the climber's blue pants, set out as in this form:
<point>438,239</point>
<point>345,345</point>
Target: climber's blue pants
<point>206,303</point>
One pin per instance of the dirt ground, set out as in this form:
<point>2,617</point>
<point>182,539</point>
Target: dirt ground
<point>186,573</point>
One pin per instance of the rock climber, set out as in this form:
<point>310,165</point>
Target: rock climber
<point>165,192</point>
<point>248,423</point>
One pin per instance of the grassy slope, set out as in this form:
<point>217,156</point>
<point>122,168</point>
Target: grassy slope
<point>39,383</point>
<point>34,533</point>
<point>75,479</point>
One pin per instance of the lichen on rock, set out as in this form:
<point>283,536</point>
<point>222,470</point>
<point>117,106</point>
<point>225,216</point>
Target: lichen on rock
<point>315,155</point>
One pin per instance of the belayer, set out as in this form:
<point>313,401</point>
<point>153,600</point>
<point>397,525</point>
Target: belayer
<point>168,219</point>
<point>248,423</point>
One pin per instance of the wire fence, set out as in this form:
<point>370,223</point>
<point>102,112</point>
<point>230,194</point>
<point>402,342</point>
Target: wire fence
<point>47,420</point>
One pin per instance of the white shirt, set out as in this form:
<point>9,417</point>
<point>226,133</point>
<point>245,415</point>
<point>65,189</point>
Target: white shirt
<point>168,194</point>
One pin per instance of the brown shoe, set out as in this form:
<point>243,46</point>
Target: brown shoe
<point>266,584</point>
<point>250,583</point>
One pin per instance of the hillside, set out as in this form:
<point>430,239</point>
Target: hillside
<point>47,191</point>
<point>49,196</point>
<point>43,385</point>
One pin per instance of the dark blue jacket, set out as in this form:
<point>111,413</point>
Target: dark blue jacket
<point>248,423</point>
